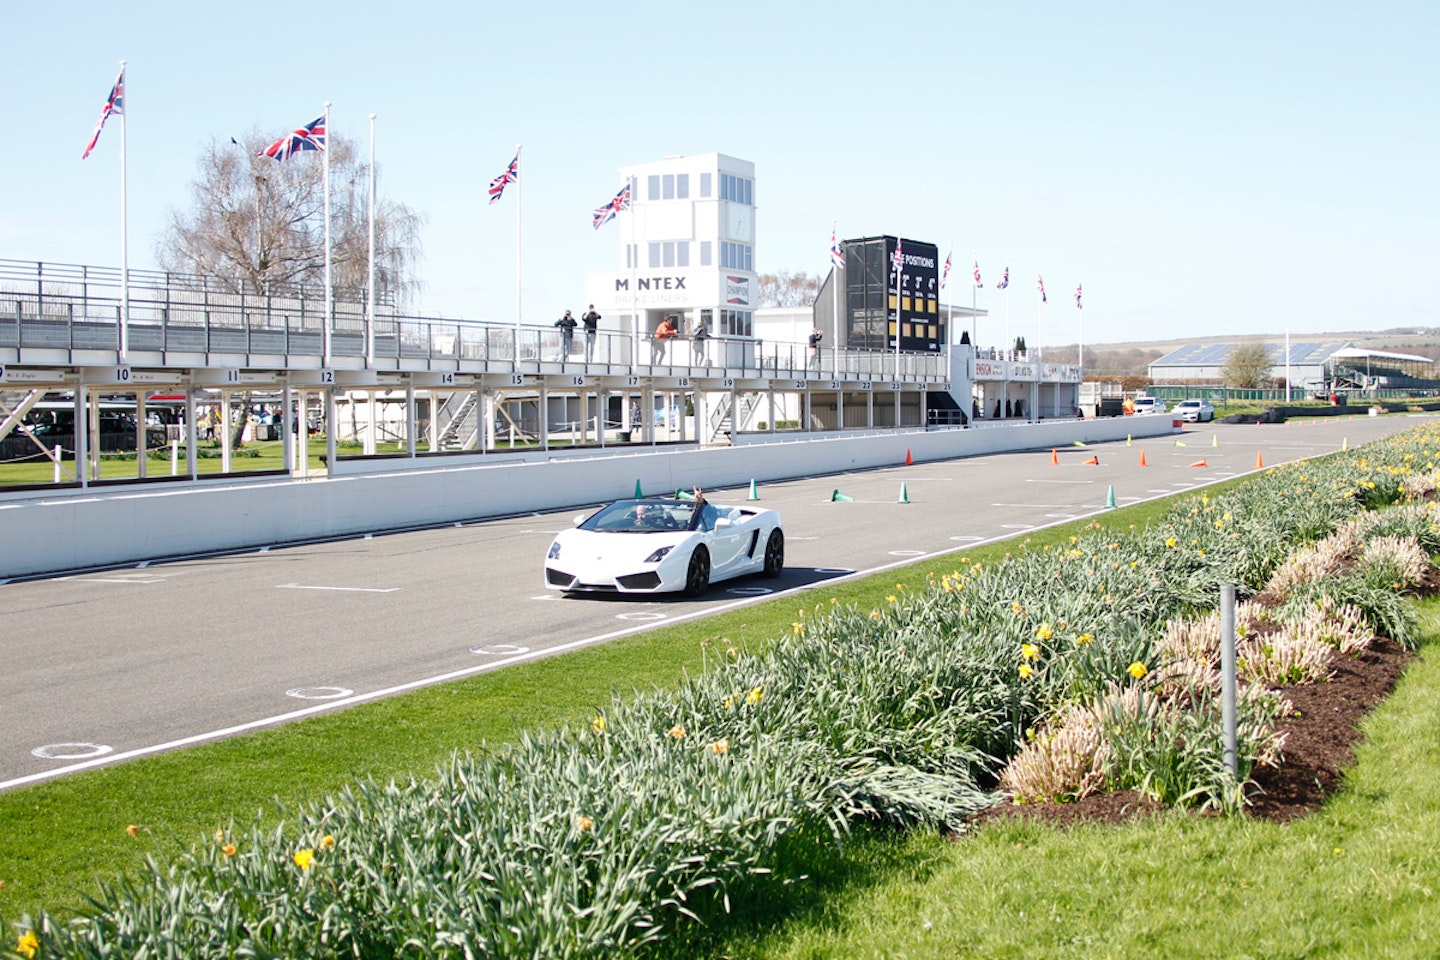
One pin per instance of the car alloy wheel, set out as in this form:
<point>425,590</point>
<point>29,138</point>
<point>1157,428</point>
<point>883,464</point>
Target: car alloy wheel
<point>775,553</point>
<point>697,577</point>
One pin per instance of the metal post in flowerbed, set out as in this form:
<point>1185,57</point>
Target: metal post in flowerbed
<point>1086,667</point>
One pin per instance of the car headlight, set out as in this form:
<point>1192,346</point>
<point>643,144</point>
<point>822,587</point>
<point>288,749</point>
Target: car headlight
<point>554,553</point>
<point>658,555</point>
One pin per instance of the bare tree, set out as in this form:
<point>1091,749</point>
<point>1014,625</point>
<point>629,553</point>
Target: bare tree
<point>786,289</point>
<point>1247,365</point>
<point>261,222</point>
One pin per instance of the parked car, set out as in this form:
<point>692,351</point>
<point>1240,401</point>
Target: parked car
<point>1195,410</point>
<point>1149,405</point>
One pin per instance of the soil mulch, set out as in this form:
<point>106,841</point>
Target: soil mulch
<point>1320,736</point>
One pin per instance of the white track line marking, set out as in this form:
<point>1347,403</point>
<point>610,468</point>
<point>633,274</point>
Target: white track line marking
<point>303,586</point>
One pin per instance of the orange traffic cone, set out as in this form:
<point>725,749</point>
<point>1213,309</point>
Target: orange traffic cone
<point>909,460</point>
<point>1092,462</point>
<point>1054,457</point>
<point>1142,459</point>
<point>1199,463</point>
<point>1259,461</point>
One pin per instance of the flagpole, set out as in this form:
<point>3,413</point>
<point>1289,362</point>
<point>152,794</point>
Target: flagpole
<point>1080,321</point>
<point>329,293</point>
<point>518,187</point>
<point>1039,320</point>
<point>124,230</point>
<point>974,313</point>
<point>370,277</point>
<point>836,271</point>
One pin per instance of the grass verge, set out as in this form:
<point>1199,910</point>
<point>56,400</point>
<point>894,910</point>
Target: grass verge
<point>61,835</point>
<point>1357,879</point>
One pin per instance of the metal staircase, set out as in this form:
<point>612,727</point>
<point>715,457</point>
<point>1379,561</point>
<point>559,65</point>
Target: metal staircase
<point>724,420</point>
<point>461,423</point>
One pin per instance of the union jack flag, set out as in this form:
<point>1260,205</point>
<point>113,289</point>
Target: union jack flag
<point>511,175</point>
<point>1041,281</point>
<point>945,271</point>
<point>1004,280</point>
<point>1078,304</point>
<point>309,137</point>
<point>977,274</point>
<point>115,103</point>
<point>897,260</point>
<point>604,214</point>
<point>837,252</point>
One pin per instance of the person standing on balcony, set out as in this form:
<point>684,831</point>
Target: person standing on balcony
<point>815,338</point>
<point>697,342</point>
<point>663,335</point>
<point>591,319</point>
<point>567,335</point>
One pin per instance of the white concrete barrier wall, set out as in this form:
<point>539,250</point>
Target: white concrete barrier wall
<point>104,526</point>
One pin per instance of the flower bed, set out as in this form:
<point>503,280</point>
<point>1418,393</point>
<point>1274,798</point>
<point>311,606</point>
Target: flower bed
<point>1059,672</point>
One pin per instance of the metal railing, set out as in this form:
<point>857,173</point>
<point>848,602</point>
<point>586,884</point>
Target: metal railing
<point>62,307</point>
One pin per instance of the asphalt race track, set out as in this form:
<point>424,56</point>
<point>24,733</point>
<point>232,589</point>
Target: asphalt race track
<point>105,665</point>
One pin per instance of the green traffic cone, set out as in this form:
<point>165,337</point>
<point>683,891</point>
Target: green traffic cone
<point>682,495</point>
<point>904,495</point>
<point>754,493</point>
<point>1110,497</point>
<point>1345,443</point>
<point>1127,439</point>
<point>1214,439</point>
<point>638,494</point>
<point>838,497</point>
<point>1076,443</point>
<point>1181,443</point>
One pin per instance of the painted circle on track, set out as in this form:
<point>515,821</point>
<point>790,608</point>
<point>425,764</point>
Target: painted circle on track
<point>749,591</point>
<point>833,570</point>
<point>318,693</point>
<point>71,751</point>
<point>640,616</point>
<point>967,539</point>
<point>907,553</point>
<point>499,649</point>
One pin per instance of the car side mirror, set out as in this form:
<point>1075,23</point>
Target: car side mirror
<point>721,522</point>
<point>579,519</point>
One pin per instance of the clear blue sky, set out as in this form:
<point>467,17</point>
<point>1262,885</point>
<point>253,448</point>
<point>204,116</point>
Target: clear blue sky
<point>1216,168</point>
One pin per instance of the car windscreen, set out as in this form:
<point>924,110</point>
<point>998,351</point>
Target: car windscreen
<point>642,516</point>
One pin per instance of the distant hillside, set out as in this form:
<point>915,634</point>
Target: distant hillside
<point>1132,358</point>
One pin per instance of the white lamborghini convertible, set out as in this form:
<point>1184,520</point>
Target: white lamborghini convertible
<point>659,545</point>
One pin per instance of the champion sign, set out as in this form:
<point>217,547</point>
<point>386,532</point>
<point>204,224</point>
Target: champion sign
<point>737,290</point>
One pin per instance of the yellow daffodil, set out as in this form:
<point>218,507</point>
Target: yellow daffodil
<point>326,842</point>
<point>733,652</point>
<point>677,731</point>
<point>1025,670</point>
<point>1084,640</point>
<point>1137,670</point>
<point>228,849</point>
<point>753,697</point>
<point>1169,541</point>
<point>890,598</point>
<point>1028,651</point>
<point>720,747</point>
<point>1043,633</point>
<point>585,823</point>
<point>27,944</point>
<point>729,702</point>
<point>133,830</point>
<point>797,628</point>
<point>598,724</point>
<point>219,836</point>
<point>303,858</point>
